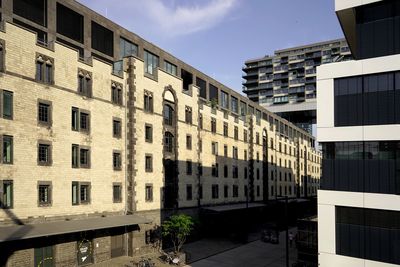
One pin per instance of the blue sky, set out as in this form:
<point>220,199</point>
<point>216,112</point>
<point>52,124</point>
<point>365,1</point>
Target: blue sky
<point>217,36</point>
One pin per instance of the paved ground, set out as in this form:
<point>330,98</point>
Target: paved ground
<point>223,253</point>
<point>254,254</point>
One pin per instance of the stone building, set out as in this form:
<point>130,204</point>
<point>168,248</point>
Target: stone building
<point>104,134</point>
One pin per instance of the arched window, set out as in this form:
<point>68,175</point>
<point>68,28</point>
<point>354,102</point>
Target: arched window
<point>168,142</point>
<point>168,115</point>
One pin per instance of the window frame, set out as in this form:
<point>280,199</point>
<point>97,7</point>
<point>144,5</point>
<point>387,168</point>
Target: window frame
<point>49,105</point>
<point>3,194</point>
<point>49,161</point>
<point>2,104</point>
<point>48,185</point>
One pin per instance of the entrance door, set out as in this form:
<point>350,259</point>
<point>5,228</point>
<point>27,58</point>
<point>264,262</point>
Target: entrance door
<point>85,252</point>
<point>117,245</point>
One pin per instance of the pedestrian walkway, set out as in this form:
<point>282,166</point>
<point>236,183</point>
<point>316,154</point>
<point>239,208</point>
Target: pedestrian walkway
<point>255,254</point>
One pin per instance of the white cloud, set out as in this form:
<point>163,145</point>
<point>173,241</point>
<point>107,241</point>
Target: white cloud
<point>181,20</point>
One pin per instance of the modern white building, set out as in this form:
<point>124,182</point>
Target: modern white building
<point>358,118</point>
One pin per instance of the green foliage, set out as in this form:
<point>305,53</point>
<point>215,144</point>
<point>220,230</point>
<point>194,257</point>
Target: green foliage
<point>178,227</point>
<point>213,103</point>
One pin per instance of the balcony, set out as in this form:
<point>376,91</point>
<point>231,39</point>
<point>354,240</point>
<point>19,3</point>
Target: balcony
<point>252,81</point>
<point>296,90</point>
<point>282,68</point>
<point>250,74</point>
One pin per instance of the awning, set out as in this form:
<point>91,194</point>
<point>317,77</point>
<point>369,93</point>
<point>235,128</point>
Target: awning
<point>232,207</point>
<point>27,231</point>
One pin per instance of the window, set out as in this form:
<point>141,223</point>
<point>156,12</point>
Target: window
<point>235,153</point>
<point>148,133</point>
<point>188,115</point>
<point>189,193</point>
<point>200,191</point>
<point>84,157</point>
<point>214,170</point>
<point>214,191</point>
<point>200,169</point>
<point>214,148</point>
<point>257,138</point>
<point>44,69</point>
<point>168,115</point>
<point>168,142</point>
<point>189,167</point>
<point>44,154</point>
<point>102,39</point>
<point>149,163</point>
<point>80,120</point>
<point>245,172</point>
<point>226,189</point>
<point>151,63</point>
<point>148,101</point>
<point>258,156</point>
<point>189,142</point>
<point>116,93</point>
<point>246,191</point>
<point>149,192</point>
<point>245,155</point>
<point>6,197</point>
<point>187,80</point>
<point>75,156</point>
<point>235,191</point>
<point>225,150</point>
<point>117,131</point>
<point>44,112</point>
<point>127,48</point>
<point>245,136</point>
<point>225,129</point>
<point>226,171</point>
<point>117,161</point>
<point>243,109</point>
<point>117,193</point>
<point>213,125</point>
<point>258,174</point>
<point>84,189</point>
<point>370,234</point>
<point>69,23</point>
<point>75,193</point>
<point>236,133</point>
<point>235,172</point>
<point>170,68</point>
<point>84,83</point>
<point>234,104</point>
<point>7,105</point>
<point>8,149</point>
<point>44,193</point>
<point>224,100</point>
<point>258,190</point>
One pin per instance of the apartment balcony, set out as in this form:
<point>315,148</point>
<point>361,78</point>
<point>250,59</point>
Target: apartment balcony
<point>296,90</point>
<point>280,99</point>
<point>296,81</point>
<point>250,74</point>
<point>296,66</point>
<point>281,91</point>
<point>311,80</point>
<point>310,87</point>
<point>266,93</point>
<point>252,81</point>
<point>262,86</point>
<point>311,72</point>
<point>250,67</point>
<point>279,76</point>
<point>280,69</point>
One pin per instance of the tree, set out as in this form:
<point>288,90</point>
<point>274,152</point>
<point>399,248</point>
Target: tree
<point>178,227</point>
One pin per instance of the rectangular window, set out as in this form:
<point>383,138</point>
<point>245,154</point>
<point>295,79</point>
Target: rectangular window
<point>117,161</point>
<point>84,189</point>
<point>102,39</point>
<point>200,169</point>
<point>7,105</point>
<point>8,149</point>
<point>245,155</point>
<point>148,133</point>
<point>189,193</point>
<point>117,131</point>
<point>235,172</point>
<point>214,170</point>
<point>236,133</point>
<point>235,191</point>
<point>225,129</point>
<point>116,93</point>
<point>225,150</point>
<point>75,156</point>
<point>85,83</point>
<point>151,63</point>
<point>69,23</point>
<point>188,115</point>
<point>189,167</point>
<point>189,142</point>
<point>7,197</point>
<point>84,122</point>
<point>35,11</point>
<point>213,125</point>
<point>245,136</point>
<point>44,69</point>
<point>149,163</point>
<point>225,171</point>
<point>258,139</point>
<point>84,157</point>
<point>75,119</point>
<point>234,104</point>
<point>201,192</point>
<point>117,193</point>
<point>226,189</point>
<point>44,194</point>
<point>224,99</point>
<point>369,234</point>
<point>235,153</point>
<point>148,101</point>
<point>170,68</point>
<point>214,148</point>
<point>214,191</point>
<point>75,193</point>
<point>127,48</point>
<point>44,154</point>
<point>44,113</point>
<point>149,192</point>
<point>245,172</point>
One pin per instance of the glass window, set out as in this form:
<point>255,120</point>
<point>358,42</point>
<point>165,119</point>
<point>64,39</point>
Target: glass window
<point>7,197</point>
<point>170,68</point>
<point>75,193</point>
<point>168,142</point>
<point>234,104</point>
<point>189,192</point>
<point>224,99</point>
<point>44,113</point>
<point>7,149</point>
<point>75,156</point>
<point>117,161</point>
<point>44,154</point>
<point>148,133</point>
<point>7,105</point>
<point>149,163</point>
<point>44,194</point>
<point>117,132</point>
<point>127,48</point>
<point>168,115</point>
<point>151,62</point>
<point>84,193</point>
<point>84,158</point>
<point>117,193</point>
<point>149,193</point>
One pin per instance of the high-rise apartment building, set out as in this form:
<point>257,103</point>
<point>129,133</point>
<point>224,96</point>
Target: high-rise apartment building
<point>359,125</point>
<point>285,83</point>
<point>103,135</point>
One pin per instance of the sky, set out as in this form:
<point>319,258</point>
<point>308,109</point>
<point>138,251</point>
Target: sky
<point>218,36</point>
